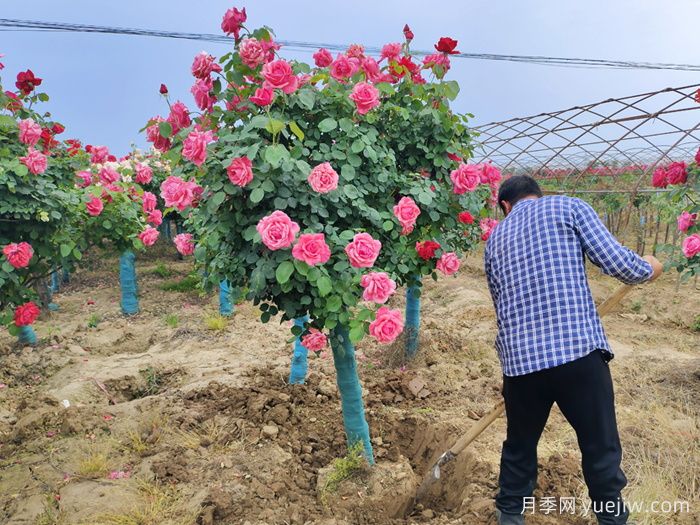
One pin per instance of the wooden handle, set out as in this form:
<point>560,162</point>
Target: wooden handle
<point>611,302</point>
<point>478,428</point>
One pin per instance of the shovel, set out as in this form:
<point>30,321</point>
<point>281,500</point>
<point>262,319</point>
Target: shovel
<point>434,473</point>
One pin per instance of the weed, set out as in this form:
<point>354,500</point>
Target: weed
<point>349,466</point>
<point>636,307</point>
<point>154,380</point>
<point>189,283</point>
<point>215,322</point>
<point>94,320</point>
<point>162,271</point>
<point>696,325</point>
<point>96,465</point>
<point>51,515</point>
<point>172,320</point>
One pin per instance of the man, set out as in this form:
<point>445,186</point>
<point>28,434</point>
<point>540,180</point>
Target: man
<point>550,341</point>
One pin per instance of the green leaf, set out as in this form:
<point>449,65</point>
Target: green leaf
<point>357,332</point>
<point>274,126</point>
<point>307,98</point>
<point>425,198</point>
<point>301,267</point>
<point>66,249</point>
<point>325,286</point>
<point>219,198</point>
<point>257,195</point>
<point>388,226</point>
<point>347,172</point>
<point>7,122</point>
<point>284,272</point>
<point>165,129</point>
<point>334,303</point>
<point>294,127</point>
<point>451,89</point>
<point>357,146</point>
<point>327,124</point>
<point>274,154</point>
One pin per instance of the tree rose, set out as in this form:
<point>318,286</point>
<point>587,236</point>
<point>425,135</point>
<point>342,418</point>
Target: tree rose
<point>201,91</point>
<point>178,193</point>
<point>387,325</point>
<point>323,178</point>
<point>85,178</point>
<point>98,154</point>
<point>204,65</point>
<point>155,217</point>
<point>391,51</point>
<point>406,211</point>
<point>153,135</point>
<point>278,74</point>
<point>35,161</point>
<point>144,174</point>
<point>263,97</point>
<point>179,117</point>
<point>183,243</point>
<point>677,173</point>
<point>149,236</point>
<point>343,67</point>
<point>378,287</point>
<point>426,249</point>
<point>448,263</point>
<point>94,206</point>
<point>363,250</point>
<point>323,58</point>
<point>686,220</point>
<point>240,171</point>
<point>29,132</point>
<point>691,245</point>
<point>465,178</point>
<point>315,340</point>
<point>149,201</point>
<point>660,178</point>
<point>26,314</point>
<point>365,96</point>
<point>18,254</point>
<point>252,52</point>
<point>194,147</point>
<point>312,249</point>
<point>277,230</point>
<point>109,175</point>
<point>232,22</point>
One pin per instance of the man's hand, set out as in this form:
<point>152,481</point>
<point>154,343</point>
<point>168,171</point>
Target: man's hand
<point>655,265</point>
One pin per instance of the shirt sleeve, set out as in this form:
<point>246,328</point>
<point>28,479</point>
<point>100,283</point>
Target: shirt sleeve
<point>604,250</point>
<point>489,277</point>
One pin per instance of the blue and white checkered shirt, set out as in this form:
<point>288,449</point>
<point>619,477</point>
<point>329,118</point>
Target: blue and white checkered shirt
<point>536,273</point>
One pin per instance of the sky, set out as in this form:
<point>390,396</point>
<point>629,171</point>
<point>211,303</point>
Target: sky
<point>105,87</point>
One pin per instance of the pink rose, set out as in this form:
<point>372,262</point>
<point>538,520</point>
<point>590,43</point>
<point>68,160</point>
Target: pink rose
<point>144,174</point>
<point>697,157</point>
<point>312,249</point>
<point>263,96</point>
<point>378,287</point>
<point>232,22</point>
<point>240,171</point>
<point>201,91</point>
<point>691,245</point>
<point>149,201</point>
<point>487,226</point>
<point>108,175</point>
<point>149,236</point>
<point>94,206</point>
<point>660,178</point>
<point>278,74</point>
<point>252,52</point>
<point>154,217</point>
<point>391,51</point>
<point>387,325</point>
<point>35,161</point>
<point>490,174</point>
<point>365,96</point>
<point>18,254</point>
<point>363,250</point>
<point>465,178</point>
<point>323,178</point>
<point>26,314</point>
<point>686,220</point>
<point>343,67</point>
<point>371,69</point>
<point>355,51</point>
<point>315,340</point>
<point>323,58</point>
<point>99,154</point>
<point>677,173</point>
<point>85,179</point>
<point>448,263</point>
<point>406,211</point>
<point>183,243</point>
<point>178,193</point>
<point>204,65</point>
<point>277,230</point>
<point>29,132</point>
<point>179,117</point>
<point>194,147</point>
<point>153,135</point>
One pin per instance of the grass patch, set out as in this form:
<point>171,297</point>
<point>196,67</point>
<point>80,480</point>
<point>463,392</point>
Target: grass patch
<point>189,283</point>
<point>52,515</point>
<point>154,381</point>
<point>351,465</point>
<point>215,322</point>
<point>636,307</point>
<point>94,320</point>
<point>96,465</point>
<point>172,320</point>
<point>696,325</point>
<point>162,271</point>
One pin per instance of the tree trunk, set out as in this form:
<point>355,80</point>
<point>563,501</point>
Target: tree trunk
<point>128,283</point>
<point>300,364</point>
<point>356,428</point>
<point>412,325</point>
<point>225,306</point>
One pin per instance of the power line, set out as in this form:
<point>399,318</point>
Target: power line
<point>9,24</point>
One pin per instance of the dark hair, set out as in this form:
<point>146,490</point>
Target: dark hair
<point>518,187</point>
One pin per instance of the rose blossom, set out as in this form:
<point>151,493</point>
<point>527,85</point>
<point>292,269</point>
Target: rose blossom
<point>94,206</point>
<point>201,91</point>
<point>26,314</point>
<point>487,226</point>
<point>465,218</point>
<point>465,178</point>
<point>660,178</point>
<point>686,220</point>
<point>29,132</point>
<point>18,254</point>
<point>277,230</point>
<point>406,211</point>
<point>278,74</point>
<point>153,135</point>
<point>149,236</point>
<point>252,52</point>
<point>312,249</point>
<point>323,178</point>
<point>363,250</point>
<point>391,51</point>
<point>155,217</point>
<point>204,65</point>
<point>323,58</point>
<point>490,174</point>
<point>26,81</point>
<point>437,59</point>
<point>676,173</point>
<point>183,243</point>
<point>387,325</point>
<point>99,154</point>
<point>426,249</point>
<point>85,179</point>
<point>232,21</point>
<point>144,173</point>
<point>178,193</point>
<point>315,340</point>
<point>240,171</point>
<point>35,161</point>
<point>149,201</point>
<point>263,96</point>
<point>371,69</point>
<point>179,117</point>
<point>378,287</point>
<point>108,175</point>
<point>691,245</point>
<point>356,51</point>
<point>448,263</point>
<point>697,155</point>
<point>447,45</point>
<point>343,67</point>
<point>194,147</point>
<point>365,96</point>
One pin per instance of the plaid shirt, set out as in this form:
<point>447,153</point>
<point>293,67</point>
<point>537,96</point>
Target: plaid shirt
<point>536,273</point>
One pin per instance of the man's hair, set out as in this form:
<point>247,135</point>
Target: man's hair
<point>516,188</point>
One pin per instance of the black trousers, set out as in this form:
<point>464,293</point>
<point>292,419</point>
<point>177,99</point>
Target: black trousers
<point>583,391</point>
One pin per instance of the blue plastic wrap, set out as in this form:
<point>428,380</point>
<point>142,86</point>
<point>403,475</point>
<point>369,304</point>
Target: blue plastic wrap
<point>66,276</point>
<point>26,335</point>
<point>356,428</point>
<point>412,325</point>
<point>128,284</point>
<point>300,363</point>
<point>225,305</point>
<point>55,282</point>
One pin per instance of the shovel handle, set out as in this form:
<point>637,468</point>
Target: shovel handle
<point>611,302</point>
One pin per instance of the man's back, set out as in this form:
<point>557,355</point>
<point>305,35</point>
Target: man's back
<point>535,267</point>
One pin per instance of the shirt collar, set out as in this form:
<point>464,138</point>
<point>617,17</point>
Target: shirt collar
<point>517,204</point>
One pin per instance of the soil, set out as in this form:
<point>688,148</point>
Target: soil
<point>158,419</point>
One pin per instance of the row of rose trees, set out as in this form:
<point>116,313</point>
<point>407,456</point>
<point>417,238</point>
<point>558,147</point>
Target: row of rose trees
<point>318,189</point>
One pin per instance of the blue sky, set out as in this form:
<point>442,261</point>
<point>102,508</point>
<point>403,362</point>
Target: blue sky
<point>104,87</point>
